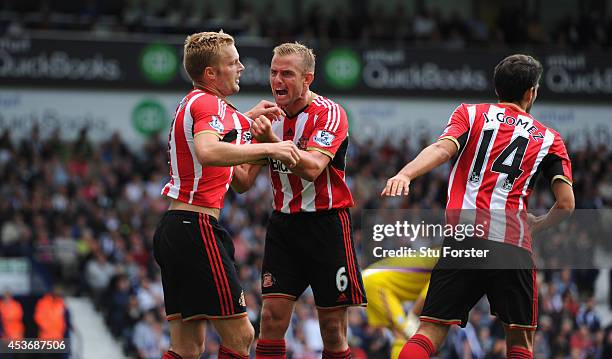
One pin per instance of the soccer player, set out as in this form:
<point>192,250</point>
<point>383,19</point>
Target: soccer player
<point>207,138</point>
<point>501,149</point>
<point>388,284</point>
<point>309,238</point>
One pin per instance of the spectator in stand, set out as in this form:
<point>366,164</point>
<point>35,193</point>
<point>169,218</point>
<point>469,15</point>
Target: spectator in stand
<point>149,339</point>
<point>93,218</point>
<point>98,273</point>
<point>588,317</point>
<point>587,26</point>
<point>119,299</point>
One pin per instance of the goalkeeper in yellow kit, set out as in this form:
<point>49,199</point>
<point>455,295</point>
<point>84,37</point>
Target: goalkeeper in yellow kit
<point>389,283</point>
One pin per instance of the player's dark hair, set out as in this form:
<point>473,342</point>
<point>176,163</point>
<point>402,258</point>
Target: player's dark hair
<point>514,75</point>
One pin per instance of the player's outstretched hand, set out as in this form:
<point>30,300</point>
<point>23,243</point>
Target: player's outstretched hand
<point>286,152</point>
<point>266,108</point>
<point>396,186</point>
<point>261,129</point>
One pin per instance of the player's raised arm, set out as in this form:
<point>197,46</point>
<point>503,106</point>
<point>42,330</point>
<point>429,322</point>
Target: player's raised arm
<point>431,157</point>
<point>452,139</point>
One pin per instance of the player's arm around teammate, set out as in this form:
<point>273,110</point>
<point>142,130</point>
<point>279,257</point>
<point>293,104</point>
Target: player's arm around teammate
<point>211,151</point>
<point>195,253</point>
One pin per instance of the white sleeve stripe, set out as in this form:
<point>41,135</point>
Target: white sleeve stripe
<point>338,116</point>
<point>321,103</point>
<point>329,120</point>
<point>334,116</point>
<point>221,107</point>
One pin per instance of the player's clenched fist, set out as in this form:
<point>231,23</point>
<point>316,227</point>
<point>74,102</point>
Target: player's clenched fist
<point>266,108</point>
<point>396,186</point>
<point>286,152</point>
<point>261,129</point>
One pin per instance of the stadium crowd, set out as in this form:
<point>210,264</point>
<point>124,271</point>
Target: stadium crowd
<point>87,213</point>
<point>512,23</point>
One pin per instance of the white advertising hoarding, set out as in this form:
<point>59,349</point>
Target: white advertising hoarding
<point>15,275</point>
<point>397,119</point>
<point>136,114</point>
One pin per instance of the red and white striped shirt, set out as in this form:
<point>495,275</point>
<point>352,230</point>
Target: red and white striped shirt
<point>322,126</point>
<point>190,182</point>
<point>502,150</point>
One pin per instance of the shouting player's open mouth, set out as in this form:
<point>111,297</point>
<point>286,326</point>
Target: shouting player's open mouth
<point>281,92</point>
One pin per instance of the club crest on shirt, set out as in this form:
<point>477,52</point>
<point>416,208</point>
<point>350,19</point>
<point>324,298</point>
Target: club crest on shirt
<point>247,137</point>
<point>267,280</point>
<point>507,185</point>
<point>302,143</point>
<point>216,124</point>
<point>324,138</point>
<point>474,177</point>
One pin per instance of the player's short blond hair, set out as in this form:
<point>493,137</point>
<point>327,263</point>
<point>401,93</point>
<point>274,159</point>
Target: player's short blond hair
<point>201,50</point>
<point>295,48</point>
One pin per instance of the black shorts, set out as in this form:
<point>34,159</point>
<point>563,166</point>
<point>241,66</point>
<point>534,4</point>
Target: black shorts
<point>316,249</point>
<point>199,276</point>
<point>455,288</point>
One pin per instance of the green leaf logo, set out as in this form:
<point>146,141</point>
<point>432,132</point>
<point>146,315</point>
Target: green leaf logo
<point>159,63</point>
<point>342,68</point>
<point>149,117</point>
